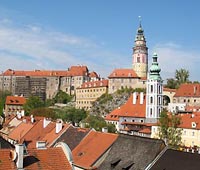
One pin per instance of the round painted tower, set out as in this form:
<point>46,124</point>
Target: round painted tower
<point>140,53</point>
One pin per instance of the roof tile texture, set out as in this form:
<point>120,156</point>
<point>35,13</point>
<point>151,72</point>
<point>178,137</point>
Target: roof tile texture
<point>92,147</point>
<point>123,73</point>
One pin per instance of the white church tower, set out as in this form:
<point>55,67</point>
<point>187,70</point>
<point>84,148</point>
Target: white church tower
<point>154,92</point>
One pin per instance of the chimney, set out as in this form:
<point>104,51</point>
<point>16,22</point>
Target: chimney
<point>58,126</point>
<point>46,121</point>
<point>134,97</point>
<point>32,119</point>
<point>141,97</point>
<point>19,148</point>
<point>105,130</point>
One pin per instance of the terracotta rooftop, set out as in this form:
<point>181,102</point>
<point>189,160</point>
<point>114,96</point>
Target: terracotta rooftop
<point>190,121</point>
<point>123,73</point>
<point>72,71</point>
<point>6,162</point>
<point>94,84</point>
<point>188,90</point>
<point>20,131</point>
<point>37,133</point>
<point>50,158</point>
<point>93,74</point>
<point>43,159</point>
<point>53,136</point>
<point>92,147</point>
<point>15,100</point>
<point>129,109</point>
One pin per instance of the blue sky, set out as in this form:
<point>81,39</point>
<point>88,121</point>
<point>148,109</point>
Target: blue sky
<point>44,34</point>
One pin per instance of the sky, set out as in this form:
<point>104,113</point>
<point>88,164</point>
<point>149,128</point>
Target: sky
<point>56,34</point>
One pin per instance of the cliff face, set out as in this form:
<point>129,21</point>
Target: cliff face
<point>107,103</point>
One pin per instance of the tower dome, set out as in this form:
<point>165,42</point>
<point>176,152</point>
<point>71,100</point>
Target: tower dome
<point>154,72</point>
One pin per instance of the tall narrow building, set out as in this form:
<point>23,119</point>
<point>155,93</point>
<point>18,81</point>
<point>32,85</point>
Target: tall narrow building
<point>154,92</point>
<point>140,54</point>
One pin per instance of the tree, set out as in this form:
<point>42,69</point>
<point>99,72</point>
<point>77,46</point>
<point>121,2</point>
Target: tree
<point>62,97</point>
<point>168,130</point>
<point>98,123</point>
<point>182,76</point>
<point>171,83</point>
<point>72,115</point>
<point>3,95</point>
<point>32,102</point>
<point>45,112</point>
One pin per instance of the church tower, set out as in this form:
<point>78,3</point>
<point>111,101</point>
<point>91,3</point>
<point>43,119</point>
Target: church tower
<point>140,53</point>
<point>154,92</point>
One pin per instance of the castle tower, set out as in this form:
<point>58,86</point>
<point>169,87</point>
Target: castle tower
<point>154,92</point>
<point>140,54</point>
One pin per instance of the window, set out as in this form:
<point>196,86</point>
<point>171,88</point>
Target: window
<point>193,133</point>
<point>151,100</point>
<point>138,59</point>
<point>151,88</point>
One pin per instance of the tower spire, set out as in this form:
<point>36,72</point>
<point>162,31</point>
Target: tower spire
<point>140,21</point>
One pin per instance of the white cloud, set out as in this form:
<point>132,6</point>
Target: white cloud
<point>173,56</point>
<point>34,47</point>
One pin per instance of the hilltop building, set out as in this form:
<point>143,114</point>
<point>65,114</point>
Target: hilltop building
<point>45,83</point>
<point>89,92</point>
<point>135,77</point>
<point>141,112</point>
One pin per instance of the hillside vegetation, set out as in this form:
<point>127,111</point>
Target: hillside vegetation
<point>108,102</point>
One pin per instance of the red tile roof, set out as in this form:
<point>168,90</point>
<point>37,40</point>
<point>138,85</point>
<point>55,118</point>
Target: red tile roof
<point>5,162</point>
<point>37,133</point>
<point>93,84</point>
<point>145,130</point>
<point>93,74</point>
<point>20,131</point>
<point>92,147</point>
<point>129,109</point>
<point>73,71</point>
<point>123,73</point>
<point>188,90</point>
<point>48,159</point>
<point>43,159</point>
<point>192,108</point>
<point>52,135</point>
<point>15,100</point>
<point>187,121</point>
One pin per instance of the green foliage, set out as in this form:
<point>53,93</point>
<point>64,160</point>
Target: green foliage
<point>3,95</point>
<point>104,98</point>
<point>129,90</point>
<point>71,114</point>
<point>168,130</point>
<point>49,102</point>
<point>62,97</point>
<point>171,83</point>
<point>45,112</point>
<point>181,76</point>
<point>98,123</point>
<point>32,102</point>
